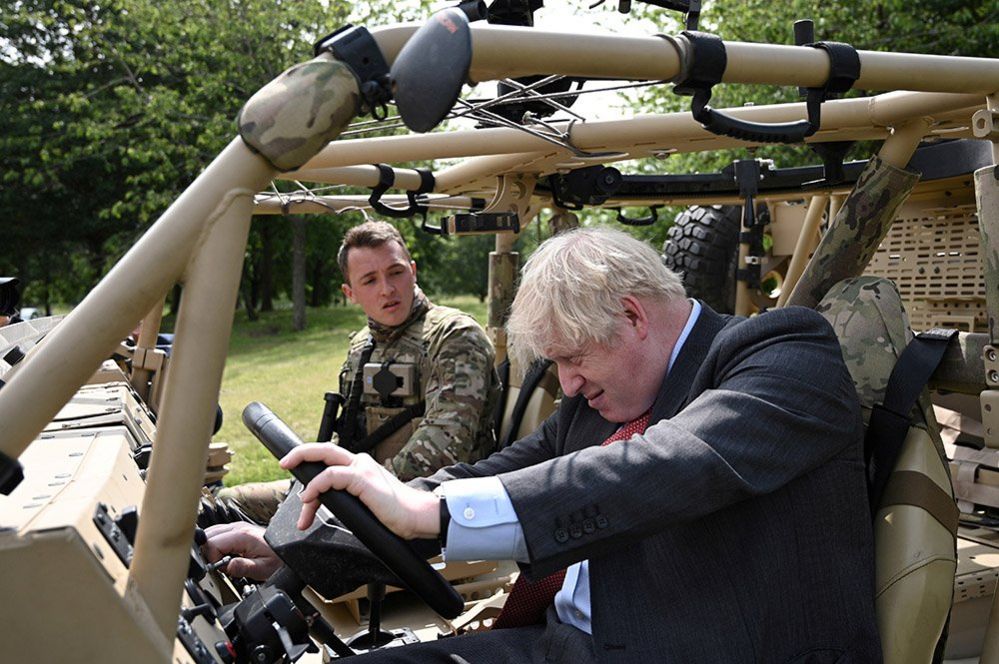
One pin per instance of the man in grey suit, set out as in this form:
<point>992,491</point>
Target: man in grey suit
<point>732,527</point>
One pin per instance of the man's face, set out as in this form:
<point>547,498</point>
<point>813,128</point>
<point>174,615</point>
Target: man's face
<point>382,280</point>
<point>614,378</point>
<point>4,320</point>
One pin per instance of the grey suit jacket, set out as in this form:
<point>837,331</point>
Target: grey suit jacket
<point>736,529</point>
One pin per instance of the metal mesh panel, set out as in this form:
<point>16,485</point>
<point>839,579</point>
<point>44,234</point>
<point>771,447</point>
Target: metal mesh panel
<point>932,255</point>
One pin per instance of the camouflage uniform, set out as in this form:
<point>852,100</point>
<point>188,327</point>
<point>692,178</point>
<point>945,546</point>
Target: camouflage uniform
<point>456,379</point>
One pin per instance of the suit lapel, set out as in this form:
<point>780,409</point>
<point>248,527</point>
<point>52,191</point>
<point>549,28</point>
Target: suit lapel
<point>676,385</point>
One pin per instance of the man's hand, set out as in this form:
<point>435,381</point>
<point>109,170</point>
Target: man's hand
<point>252,557</point>
<point>409,513</point>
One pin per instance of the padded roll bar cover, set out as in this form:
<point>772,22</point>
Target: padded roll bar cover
<point>292,118</point>
<point>915,556</point>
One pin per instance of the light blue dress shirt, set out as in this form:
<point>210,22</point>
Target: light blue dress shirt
<point>484,525</point>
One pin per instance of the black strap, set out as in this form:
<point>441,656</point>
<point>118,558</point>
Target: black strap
<point>386,178</point>
<point>890,421</point>
<point>532,379</point>
<point>706,64</point>
<point>348,428</point>
<point>503,371</point>
<point>389,427</point>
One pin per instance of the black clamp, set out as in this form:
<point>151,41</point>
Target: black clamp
<point>386,178</point>
<point>707,60</point>
<point>356,48</point>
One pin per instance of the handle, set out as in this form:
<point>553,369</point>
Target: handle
<point>758,132</point>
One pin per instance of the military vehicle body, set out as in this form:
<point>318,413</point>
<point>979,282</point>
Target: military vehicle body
<point>85,515</point>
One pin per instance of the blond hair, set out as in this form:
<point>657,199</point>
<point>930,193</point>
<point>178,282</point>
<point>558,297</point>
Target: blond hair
<point>572,287</point>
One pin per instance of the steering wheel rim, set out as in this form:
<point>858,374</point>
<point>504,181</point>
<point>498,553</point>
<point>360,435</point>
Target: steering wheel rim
<point>395,553</point>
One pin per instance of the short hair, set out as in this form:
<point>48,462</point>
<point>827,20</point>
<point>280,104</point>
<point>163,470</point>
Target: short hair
<point>572,286</point>
<point>370,234</point>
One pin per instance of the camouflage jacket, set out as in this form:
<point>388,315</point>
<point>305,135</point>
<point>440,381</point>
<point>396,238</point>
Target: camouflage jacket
<point>456,380</point>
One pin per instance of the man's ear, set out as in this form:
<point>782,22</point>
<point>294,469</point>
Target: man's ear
<point>348,293</point>
<point>637,315</point>
<point>412,266</point>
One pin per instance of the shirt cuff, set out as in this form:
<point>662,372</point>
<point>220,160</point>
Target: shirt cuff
<point>484,525</point>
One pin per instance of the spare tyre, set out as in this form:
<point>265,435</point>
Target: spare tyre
<point>703,247</point>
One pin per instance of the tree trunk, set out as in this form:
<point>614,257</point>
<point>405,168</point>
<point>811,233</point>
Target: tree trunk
<point>298,273</point>
<point>267,266</point>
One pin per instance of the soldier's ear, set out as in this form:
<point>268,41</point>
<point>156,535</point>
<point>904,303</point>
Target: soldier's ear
<point>348,293</point>
<point>412,266</point>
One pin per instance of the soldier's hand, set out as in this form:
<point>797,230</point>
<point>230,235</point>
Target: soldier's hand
<point>408,512</point>
<point>251,556</point>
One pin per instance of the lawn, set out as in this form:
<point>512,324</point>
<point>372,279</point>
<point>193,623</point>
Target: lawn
<point>289,372</point>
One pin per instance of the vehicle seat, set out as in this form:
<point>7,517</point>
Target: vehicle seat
<point>915,524</point>
<point>523,414</point>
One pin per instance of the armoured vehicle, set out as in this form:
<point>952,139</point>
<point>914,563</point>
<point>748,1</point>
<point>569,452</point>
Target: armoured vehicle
<point>102,471</point>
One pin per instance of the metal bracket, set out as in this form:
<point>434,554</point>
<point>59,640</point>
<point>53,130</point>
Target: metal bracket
<point>985,124</point>
<point>513,194</point>
<point>150,359</point>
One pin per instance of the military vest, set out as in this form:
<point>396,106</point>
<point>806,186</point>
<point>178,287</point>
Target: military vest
<point>410,355</point>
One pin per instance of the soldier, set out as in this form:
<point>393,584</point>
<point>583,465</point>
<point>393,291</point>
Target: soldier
<point>418,383</point>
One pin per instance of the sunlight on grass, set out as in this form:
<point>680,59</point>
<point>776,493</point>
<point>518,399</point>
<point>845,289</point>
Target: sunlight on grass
<point>289,372</point>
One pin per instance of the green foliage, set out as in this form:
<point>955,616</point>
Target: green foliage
<point>110,110</point>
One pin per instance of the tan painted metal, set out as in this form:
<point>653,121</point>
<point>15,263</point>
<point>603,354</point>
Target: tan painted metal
<point>835,203</point>
<point>898,148</point>
<point>358,176</point>
<point>642,135</point>
<point>146,342</point>
<point>507,51</point>
<point>174,481</point>
<point>807,241</point>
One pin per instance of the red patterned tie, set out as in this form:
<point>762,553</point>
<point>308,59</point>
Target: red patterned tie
<point>528,600</point>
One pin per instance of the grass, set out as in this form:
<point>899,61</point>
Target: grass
<point>289,372</point>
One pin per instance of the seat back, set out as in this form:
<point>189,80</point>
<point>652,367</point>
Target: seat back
<point>523,412</point>
<point>915,545</point>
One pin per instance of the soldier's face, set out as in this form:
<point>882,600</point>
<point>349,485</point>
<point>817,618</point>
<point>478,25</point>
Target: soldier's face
<point>382,281</point>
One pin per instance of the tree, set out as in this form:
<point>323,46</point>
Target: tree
<point>110,110</point>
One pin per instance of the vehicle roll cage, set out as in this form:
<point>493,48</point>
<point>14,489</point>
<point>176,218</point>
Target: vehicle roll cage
<point>200,240</point>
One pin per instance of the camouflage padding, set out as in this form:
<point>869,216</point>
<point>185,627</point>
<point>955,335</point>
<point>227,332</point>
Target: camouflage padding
<point>873,329</point>
<point>458,384</point>
<point>987,199</point>
<point>859,227</point>
<point>294,116</point>
<point>257,500</point>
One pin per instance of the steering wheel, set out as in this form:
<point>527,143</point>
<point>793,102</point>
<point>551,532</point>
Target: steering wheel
<point>396,553</point>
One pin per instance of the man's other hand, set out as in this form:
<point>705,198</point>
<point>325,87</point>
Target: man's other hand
<point>251,557</point>
<point>409,513</point>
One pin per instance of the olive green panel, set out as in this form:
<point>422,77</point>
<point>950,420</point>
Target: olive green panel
<point>294,116</point>
<point>916,560</point>
<point>503,269</point>
<point>915,554</point>
<point>859,226</point>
